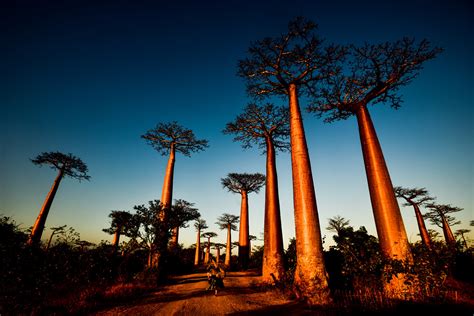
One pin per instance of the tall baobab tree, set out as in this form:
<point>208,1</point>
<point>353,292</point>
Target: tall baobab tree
<point>181,213</point>
<point>243,183</point>
<point>199,225</point>
<point>67,166</point>
<point>118,225</point>
<point>416,197</point>
<point>268,127</point>
<point>374,75</point>
<point>167,139</point>
<point>292,65</point>
<point>337,224</point>
<point>208,235</point>
<point>439,216</point>
<point>229,222</point>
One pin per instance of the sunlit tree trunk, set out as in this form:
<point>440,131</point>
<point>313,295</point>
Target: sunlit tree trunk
<point>174,237</point>
<point>311,278</point>
<point>40,222</point>
<point>244,252</point>
<point>218,254</point>
<point>425,237</point>
<point>198,248</point>
<point>115,241</point>
<point>448,233</point>
<point>388,219</point>
<point>166,200</point>
<point>228,247</point>
<point>273,262</point>
<point>208,251</point>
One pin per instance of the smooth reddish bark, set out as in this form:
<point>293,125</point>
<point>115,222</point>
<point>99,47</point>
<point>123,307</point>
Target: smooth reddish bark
<point>311,278</point>
<point>244,251</point>
<point>228,248</point>
<point>273,261</point>
<point>40,222</point>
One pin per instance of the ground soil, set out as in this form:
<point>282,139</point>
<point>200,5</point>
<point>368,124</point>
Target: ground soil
<point>187,295</point>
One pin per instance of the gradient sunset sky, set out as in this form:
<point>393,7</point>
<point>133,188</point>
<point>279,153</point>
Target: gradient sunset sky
<point>90,77</point>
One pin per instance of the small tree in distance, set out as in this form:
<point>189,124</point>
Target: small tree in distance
<point>439,216</point>
<point>416,197</point>
<point>67,166</point>
<point>181,212</point>
<point>118,225</point>
<point>268,127</point>
<point>199,225</point>
<point>228,221</point>
<point>244,183</point>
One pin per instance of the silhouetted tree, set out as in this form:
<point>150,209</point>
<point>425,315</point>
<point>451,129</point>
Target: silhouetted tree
<point>199,224</point>
<point>416,197</point>
<point>243,183</point>
<point>181,213</point>
<point>208,235</point>
<point>55,231</point>
<point>169,138</point>
<point>218,247</point>
<point>374,75</point>
<point>337,224</point>
<point>228,221</point>
<point>118,225</point>
<point>268,127</point>
<point>67,166</point>
<point>292,64</point>
<point>439,216</point>
<point>460,233</point>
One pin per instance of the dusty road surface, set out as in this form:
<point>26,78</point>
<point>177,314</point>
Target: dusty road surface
<point>188,296</point>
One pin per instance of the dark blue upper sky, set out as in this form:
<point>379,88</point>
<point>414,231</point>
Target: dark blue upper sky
<point>90,77</point>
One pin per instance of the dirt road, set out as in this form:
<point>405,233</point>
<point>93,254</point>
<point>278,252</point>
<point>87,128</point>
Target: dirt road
<point>188,296</point>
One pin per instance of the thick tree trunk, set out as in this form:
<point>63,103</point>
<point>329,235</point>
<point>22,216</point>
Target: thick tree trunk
<point>40,222</point>
<point>166,199</point>
<point>174,237</point>
<point>198,248</point>
<point>115,241</point>
<point>228,248</point>
<point>425,237</point>
<point>218,254</point>
<point>448,233</point>
<point>208,251</point>
<point>388,219</point>
<point>273,261</point>
<point>311,278</point>
<point>244,252</point>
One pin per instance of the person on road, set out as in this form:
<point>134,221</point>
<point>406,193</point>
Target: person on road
<point>215,276</point>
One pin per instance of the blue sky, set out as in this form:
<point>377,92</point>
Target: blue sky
<point>90,77</point>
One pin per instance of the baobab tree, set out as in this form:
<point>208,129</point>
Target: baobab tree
<point>199,225</point>
<point>167,139</point>
<point>229,222</point>
<point>181,213</point>
<point>439,216</point>
<point>266,126</point>
<point>416,197</point>
<point>337,224</point>
<point>243,183</point>
<point>120,221</point>
<point>374,75</point>
<point>67,166</point>
<point>460,233</point>
<point>55,231</point>
<point>292,65</point>
<point>218,247</point>
<point>208,235</point>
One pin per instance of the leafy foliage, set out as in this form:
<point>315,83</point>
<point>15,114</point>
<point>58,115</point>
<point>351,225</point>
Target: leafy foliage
<point>166,136</point>
<point>71,165</point>
<point>295,57</point>
<point>374,74</point>
<point>181,213</point>
<point>260,124</point>
<point>238,182</point>
<point>227,220</point>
